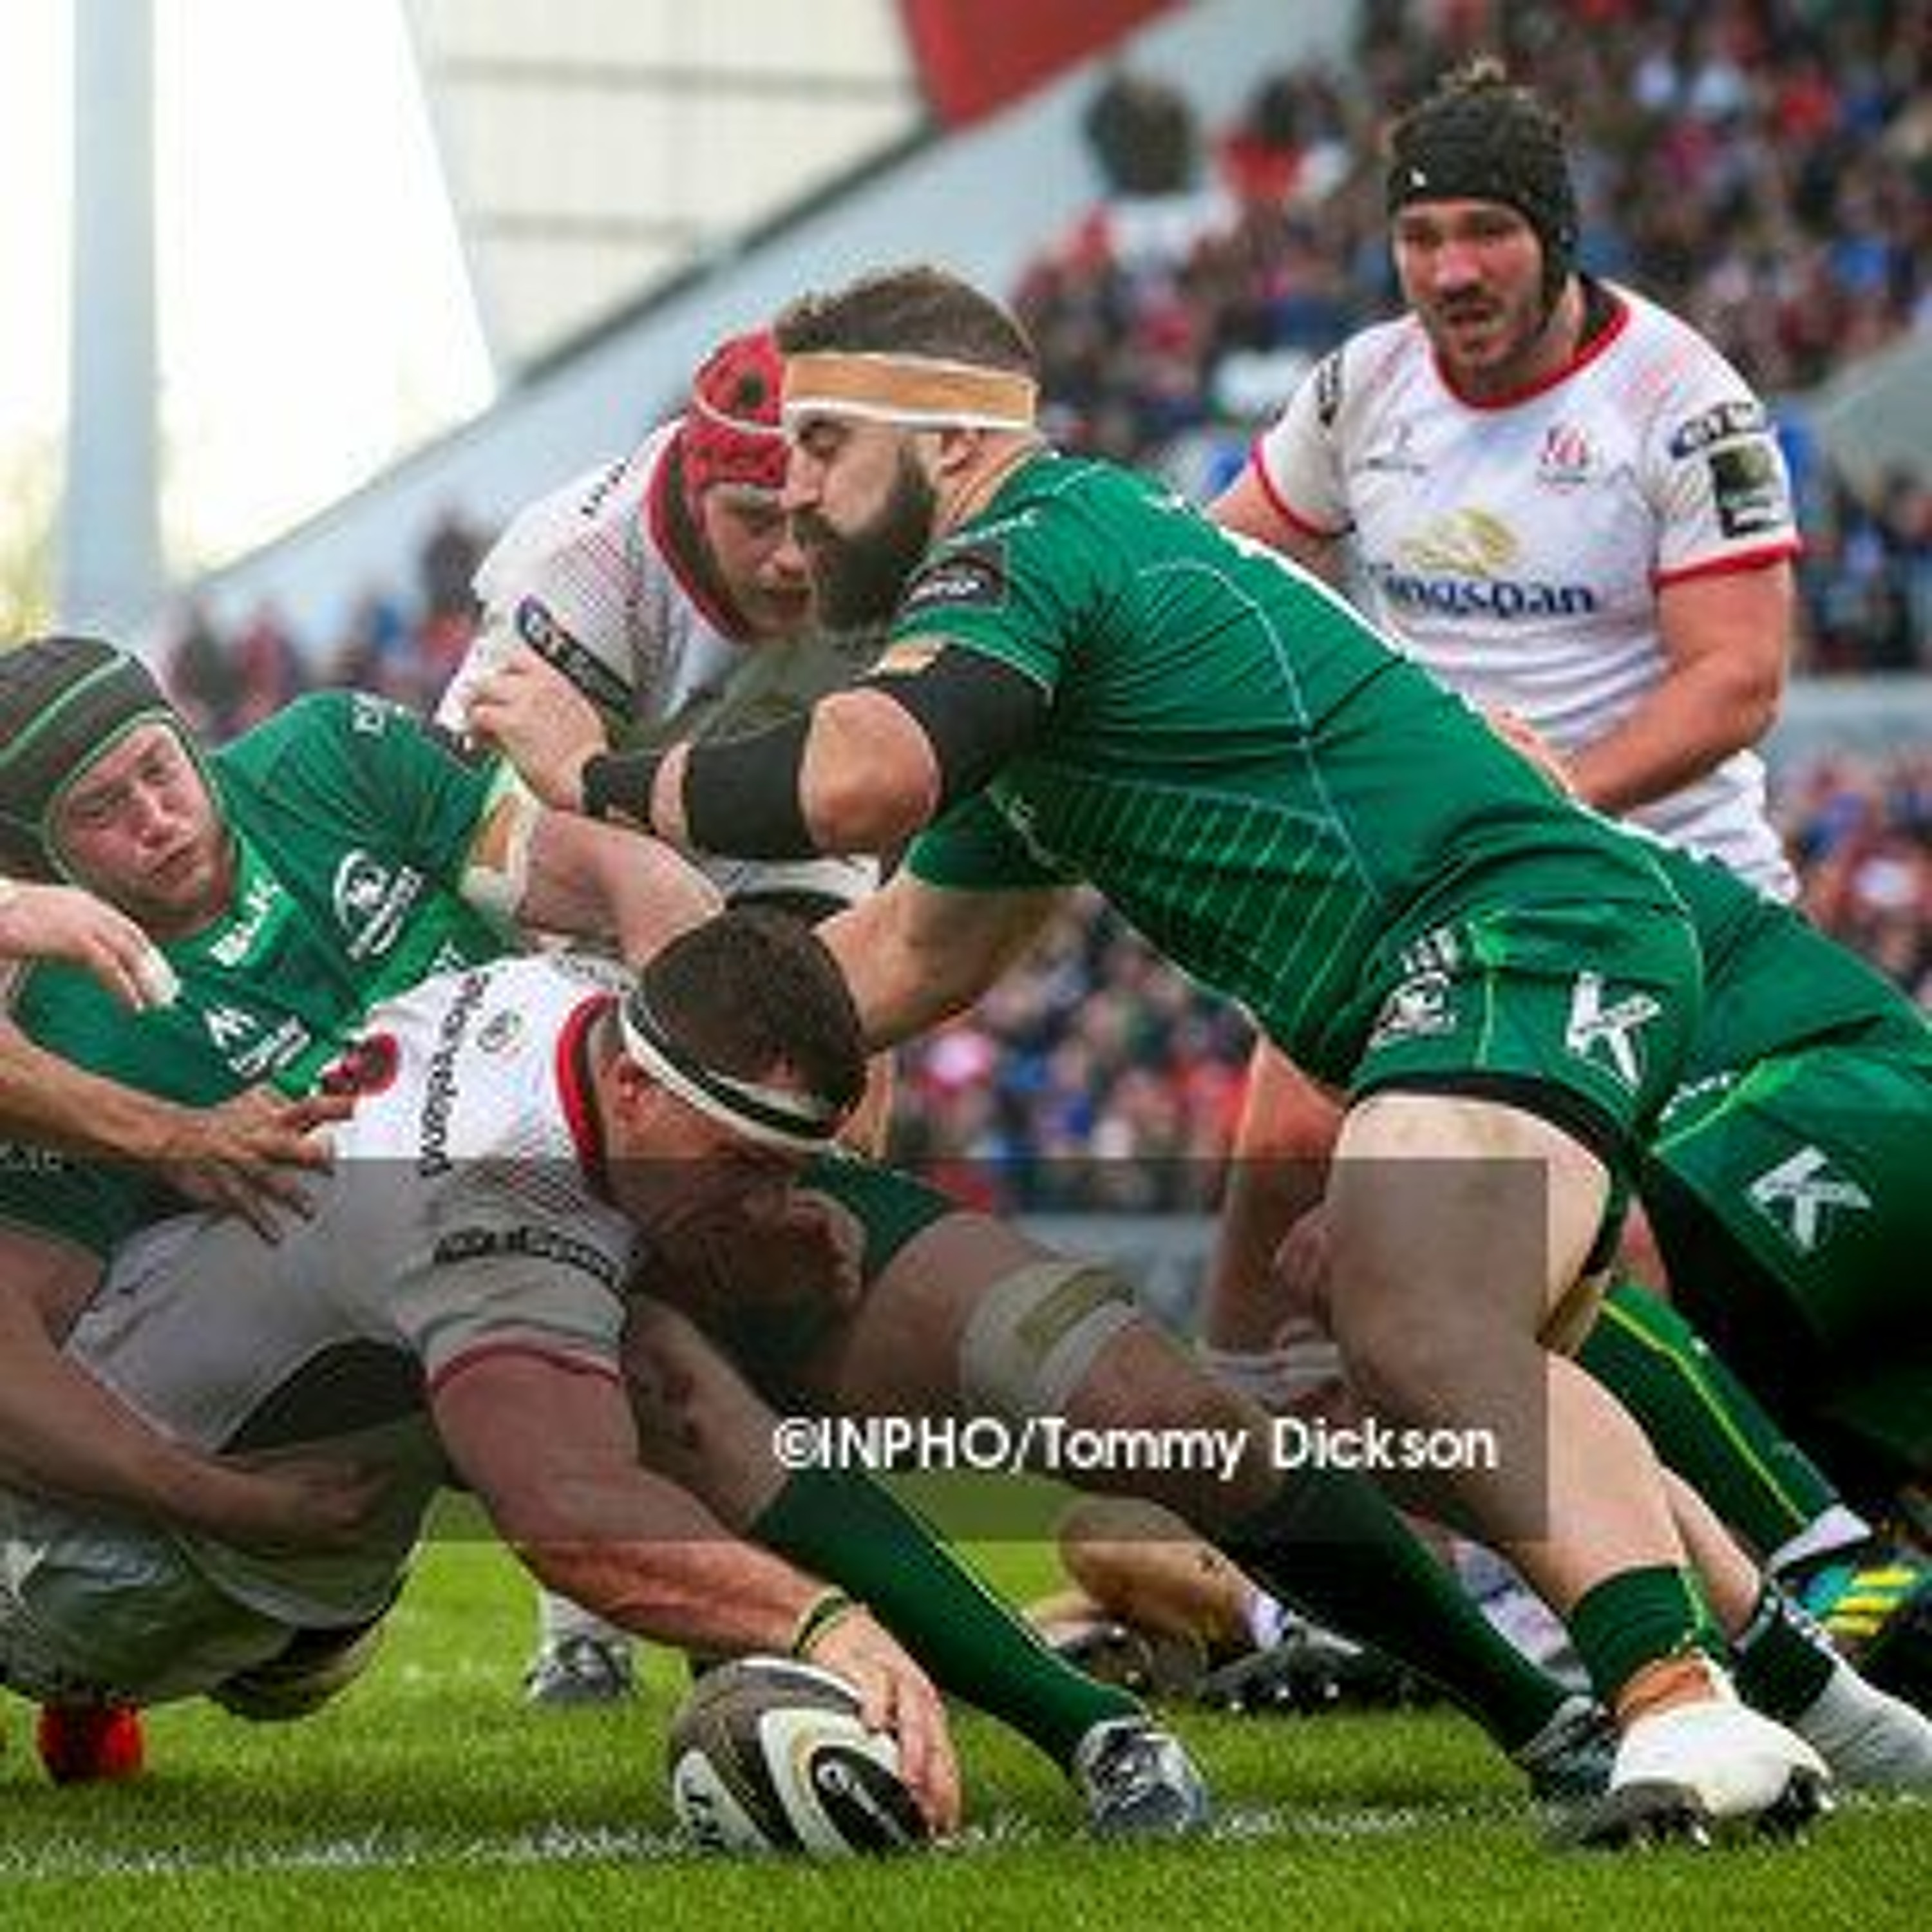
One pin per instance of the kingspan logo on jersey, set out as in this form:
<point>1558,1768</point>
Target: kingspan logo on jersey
<point>1459,566</point>
<point>372,901</point>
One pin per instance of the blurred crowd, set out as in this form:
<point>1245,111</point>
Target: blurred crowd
<point>1765,169</point>
<point>1859,831</point>
<point>404,640</point>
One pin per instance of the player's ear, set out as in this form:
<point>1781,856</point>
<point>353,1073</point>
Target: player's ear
<point>959,450</point>
<point>631,1088</point>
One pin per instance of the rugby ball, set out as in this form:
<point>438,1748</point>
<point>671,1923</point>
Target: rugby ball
<point>770,1755</point>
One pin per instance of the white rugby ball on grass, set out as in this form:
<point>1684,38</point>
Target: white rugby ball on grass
<point>768,1755</point>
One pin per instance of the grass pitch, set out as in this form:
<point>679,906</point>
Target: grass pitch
<point>431,1796</point>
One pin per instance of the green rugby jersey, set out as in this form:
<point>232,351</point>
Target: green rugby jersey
<point>351,823</point>
<point>1773,983</point>
<point>1279,801</point>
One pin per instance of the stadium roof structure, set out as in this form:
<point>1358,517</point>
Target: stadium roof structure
<point>597,150</point>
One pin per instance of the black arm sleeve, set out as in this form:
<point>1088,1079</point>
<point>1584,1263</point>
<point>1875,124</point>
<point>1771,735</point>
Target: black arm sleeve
<point>975,712</point>
<point>741,795</point>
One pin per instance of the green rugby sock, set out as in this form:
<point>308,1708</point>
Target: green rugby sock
<point>1639,1617</point>
<point>1784,1660</point>
<point>842,1526</point>
<point>1331,1544</point>
<point>1706,1424</point>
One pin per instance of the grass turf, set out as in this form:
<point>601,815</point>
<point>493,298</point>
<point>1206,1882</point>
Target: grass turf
<point>431,1795</point>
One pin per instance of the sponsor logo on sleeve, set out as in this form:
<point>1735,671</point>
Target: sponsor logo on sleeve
<point>529,1242</point>
<point>1804,1198</point>
<point>1607,1031</point>
<point>1747,489</point>
<point>1723,422</point>
<point>538,626</point>
<point>973,579</point>
<point>1328,380</point>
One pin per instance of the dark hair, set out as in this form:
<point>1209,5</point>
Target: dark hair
<point>64,701</point>
<point>753,989</point>
<point>919,309</point>
<point>1479,137</point>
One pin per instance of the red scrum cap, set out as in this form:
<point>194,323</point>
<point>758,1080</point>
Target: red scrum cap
<point>731,432</point>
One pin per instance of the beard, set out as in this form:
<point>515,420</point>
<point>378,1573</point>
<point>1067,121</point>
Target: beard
<point>861,574</point>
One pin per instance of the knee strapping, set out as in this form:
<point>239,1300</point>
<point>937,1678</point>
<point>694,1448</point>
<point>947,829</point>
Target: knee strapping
<point>1036,1333</point>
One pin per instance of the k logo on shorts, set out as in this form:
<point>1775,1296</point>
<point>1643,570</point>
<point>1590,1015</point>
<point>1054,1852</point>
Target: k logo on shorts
<point>1807,1192</point>
<point>1605,1034</point>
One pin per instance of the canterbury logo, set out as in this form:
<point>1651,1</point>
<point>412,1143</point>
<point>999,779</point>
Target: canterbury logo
<point>1597,1032</point>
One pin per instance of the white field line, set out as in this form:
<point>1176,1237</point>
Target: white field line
<point>373,1851</point>
<point>559,1845</point>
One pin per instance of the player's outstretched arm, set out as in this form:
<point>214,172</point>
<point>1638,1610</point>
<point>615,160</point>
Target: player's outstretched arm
<point>243,1156</point>
<point>49,1100</point>
<point>600,881</point>
<point>557,872</point>
<point>551,1450</point>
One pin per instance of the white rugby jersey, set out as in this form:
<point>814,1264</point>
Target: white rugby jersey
<point>585,577</point>
<point>1516,548</point>
<point>461,1220</point>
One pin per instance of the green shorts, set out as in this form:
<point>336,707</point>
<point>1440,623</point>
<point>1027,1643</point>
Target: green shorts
<point>891,1207</point>
<point>1792,1203</point>
<point>1582,1014</point>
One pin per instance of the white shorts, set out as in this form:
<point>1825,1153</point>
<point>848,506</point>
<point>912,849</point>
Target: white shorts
<point>94,1608</point>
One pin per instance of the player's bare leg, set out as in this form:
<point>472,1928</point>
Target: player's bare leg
<point>1278,1170</point>
<point>1446,1322</point>
<point>971,1317</point>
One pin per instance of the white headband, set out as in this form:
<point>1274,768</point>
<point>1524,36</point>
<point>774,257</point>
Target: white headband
<point>777,1116</point>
